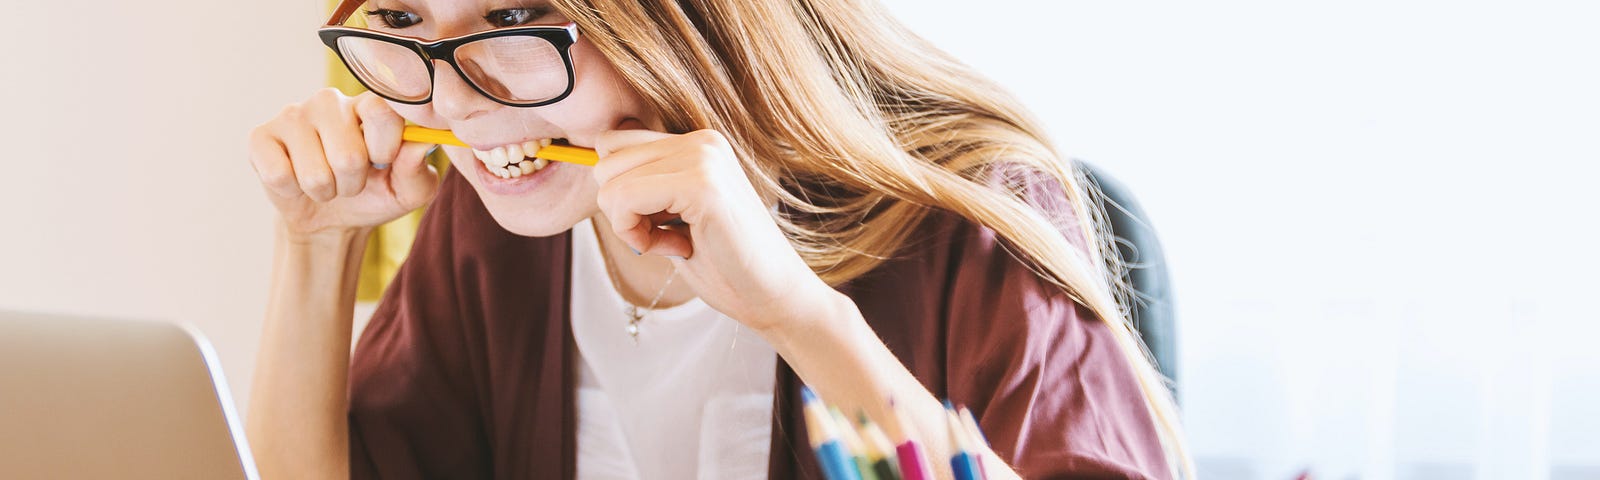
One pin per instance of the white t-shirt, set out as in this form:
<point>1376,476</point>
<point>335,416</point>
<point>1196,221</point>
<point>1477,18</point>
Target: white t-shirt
<point>691,399</point>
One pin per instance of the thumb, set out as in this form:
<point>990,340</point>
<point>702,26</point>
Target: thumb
<point>412,179</point>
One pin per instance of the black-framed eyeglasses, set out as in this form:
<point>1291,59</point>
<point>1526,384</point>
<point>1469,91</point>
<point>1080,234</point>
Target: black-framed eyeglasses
<point>519,66</point>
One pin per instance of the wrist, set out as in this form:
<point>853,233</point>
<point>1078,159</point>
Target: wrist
<point>342,238</point>
<point>829,311</point>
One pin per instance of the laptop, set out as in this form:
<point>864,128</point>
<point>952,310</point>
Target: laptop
<point>98,398</point>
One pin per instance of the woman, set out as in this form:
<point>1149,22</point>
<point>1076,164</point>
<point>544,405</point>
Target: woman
<point>787,191</point>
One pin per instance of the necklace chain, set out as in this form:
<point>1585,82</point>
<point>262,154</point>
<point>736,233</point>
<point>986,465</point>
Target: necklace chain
<point>631,310</point>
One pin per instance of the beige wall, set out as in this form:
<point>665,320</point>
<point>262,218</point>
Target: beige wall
<point>1378,214</point>
<point>124,189</point>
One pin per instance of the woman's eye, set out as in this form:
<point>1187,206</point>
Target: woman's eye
<point>511,17</point>
<point>395,18</point>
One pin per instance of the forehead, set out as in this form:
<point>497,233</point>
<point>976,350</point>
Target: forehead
<point>443,6</point>
<point>446,11</point>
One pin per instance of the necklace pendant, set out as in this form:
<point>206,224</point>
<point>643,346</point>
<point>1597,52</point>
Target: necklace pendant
<point>634,316</point>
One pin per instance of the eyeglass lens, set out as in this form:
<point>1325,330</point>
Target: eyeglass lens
<point>517,69</point>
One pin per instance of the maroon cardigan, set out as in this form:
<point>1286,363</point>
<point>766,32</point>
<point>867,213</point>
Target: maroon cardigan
<point>465,370</point>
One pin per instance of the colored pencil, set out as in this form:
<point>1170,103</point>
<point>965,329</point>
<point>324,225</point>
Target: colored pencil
<point>970,425</point>
<point>908,453</point>
<point>880,454</point>
<point>962,462</point>
<point>836,465</point>
<point>852,444</point>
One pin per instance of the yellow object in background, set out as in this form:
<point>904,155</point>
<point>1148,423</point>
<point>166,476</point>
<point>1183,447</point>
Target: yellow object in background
<point>391,242</point>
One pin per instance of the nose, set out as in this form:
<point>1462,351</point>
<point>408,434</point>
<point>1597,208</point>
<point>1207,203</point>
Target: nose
<point>453,98</point>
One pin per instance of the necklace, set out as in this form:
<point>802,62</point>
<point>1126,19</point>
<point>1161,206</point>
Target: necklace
<point>633,312</point>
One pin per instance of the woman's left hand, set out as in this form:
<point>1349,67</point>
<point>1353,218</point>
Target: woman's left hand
<point>728,247</point>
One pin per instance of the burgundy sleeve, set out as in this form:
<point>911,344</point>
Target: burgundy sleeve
<point>1050,386</point>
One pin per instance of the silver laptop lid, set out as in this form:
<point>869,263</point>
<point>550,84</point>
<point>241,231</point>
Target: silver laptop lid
<point>97,398</point>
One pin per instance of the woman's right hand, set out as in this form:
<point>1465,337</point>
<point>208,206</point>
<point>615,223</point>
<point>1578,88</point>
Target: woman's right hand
<point>337,163</point>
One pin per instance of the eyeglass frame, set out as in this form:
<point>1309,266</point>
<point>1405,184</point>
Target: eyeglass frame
<point>561,36</point>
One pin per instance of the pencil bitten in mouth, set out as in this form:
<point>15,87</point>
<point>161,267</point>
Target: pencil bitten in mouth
<point>516,159</point>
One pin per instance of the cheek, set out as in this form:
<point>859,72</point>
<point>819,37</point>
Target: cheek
<point>419,114</point>
<point>600,95</point>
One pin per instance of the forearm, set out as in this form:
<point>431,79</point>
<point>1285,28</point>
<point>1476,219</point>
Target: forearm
<point>839,356</point>
<point>297,419</point>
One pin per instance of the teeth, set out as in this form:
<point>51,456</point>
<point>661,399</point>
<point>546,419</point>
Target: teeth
<point>513,153</point>
<point>510,161</point>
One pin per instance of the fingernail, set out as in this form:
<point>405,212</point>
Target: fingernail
<point>675,257</point>
<point>380,166</point>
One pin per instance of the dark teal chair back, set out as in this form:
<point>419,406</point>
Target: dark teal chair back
<point>1147,273</point>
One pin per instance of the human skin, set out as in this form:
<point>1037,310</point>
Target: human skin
<point>316,159</point>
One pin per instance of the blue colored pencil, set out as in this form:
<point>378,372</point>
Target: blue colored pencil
<point>836,463</point>
<point>963,463</point>
<point>975,434</point>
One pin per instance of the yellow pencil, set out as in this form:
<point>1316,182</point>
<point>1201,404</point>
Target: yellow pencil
<point>559,153</point>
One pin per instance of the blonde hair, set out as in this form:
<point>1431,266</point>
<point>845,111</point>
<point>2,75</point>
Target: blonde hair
<point>859,127</point>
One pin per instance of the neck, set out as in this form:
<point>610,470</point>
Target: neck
<point>639,277</point>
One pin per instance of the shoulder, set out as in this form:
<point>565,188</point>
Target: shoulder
<point>978,324</point>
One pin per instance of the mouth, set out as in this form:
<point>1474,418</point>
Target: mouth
<point>516,159</point>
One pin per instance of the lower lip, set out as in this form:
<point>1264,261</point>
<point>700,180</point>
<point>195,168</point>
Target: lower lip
<point>516,185</point>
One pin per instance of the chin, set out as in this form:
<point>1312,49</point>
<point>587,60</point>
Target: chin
<point>534,219</point>
<point>535,227</point>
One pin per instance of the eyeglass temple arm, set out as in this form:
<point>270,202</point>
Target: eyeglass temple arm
<point>343,11</point>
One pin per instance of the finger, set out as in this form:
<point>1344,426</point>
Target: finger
<point>669,242</point>
<point>346,151</point>
<point>413,180</point>
<point>613,140</point>
<point>311,171</point>
<point>646,237</point>
<point>271,164</point>
<point>381,127</point>
<point>621,150</point>
<point>631,201</point>
<point>648,159</point>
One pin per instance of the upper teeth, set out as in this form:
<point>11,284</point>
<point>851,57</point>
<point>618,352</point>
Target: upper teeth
<point>508,161</point>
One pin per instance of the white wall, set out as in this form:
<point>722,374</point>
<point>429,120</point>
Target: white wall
<point>125,189</point>
<point>1379,215</point>
<point>1378,212</point>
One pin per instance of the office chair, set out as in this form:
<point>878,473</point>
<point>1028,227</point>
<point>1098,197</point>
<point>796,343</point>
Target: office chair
<point>1151,303</point>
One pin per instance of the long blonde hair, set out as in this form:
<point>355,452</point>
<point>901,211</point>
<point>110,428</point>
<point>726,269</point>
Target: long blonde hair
<point>859,127</point>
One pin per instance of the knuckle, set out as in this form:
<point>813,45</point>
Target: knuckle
<point>347,168</point>
<point>316,184</point>
<point>328,94</point>
<point>277,177</point>
<point>293,112</point>
<point>260,134</point>
<point>348,161</point>
<point>706,136</point>
<point>708,151</point>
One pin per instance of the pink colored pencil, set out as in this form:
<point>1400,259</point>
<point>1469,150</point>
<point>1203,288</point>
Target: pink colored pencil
<point>913,465</point>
